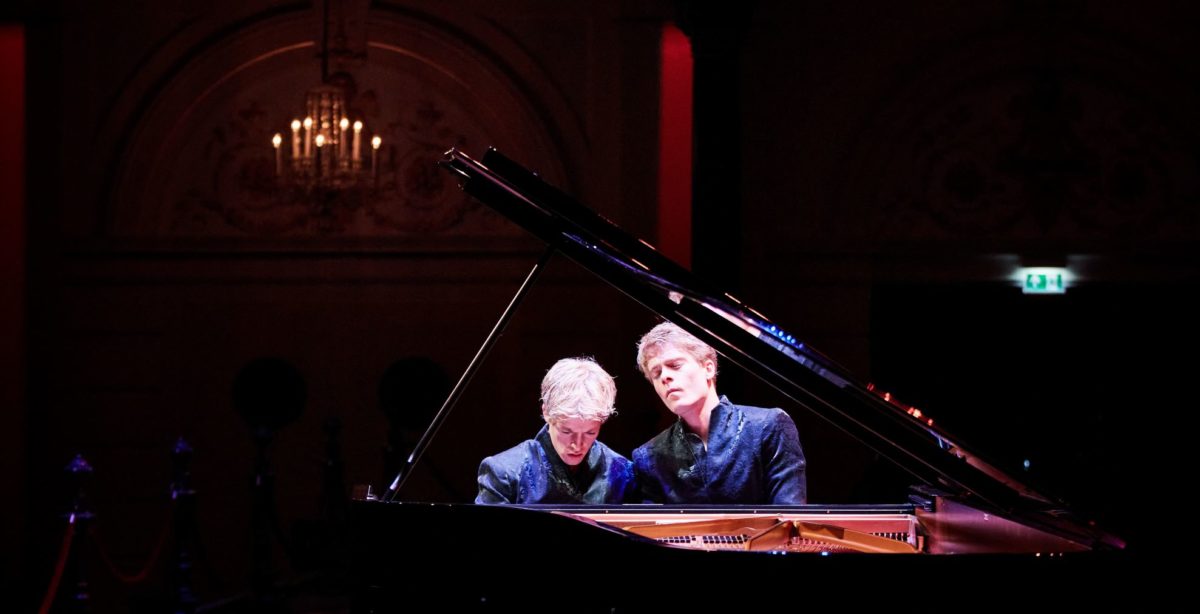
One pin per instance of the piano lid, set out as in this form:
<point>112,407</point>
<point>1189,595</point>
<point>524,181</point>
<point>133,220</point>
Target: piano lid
<point>739,333</point>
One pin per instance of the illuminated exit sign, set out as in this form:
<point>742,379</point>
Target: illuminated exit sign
<point>1044,280</point>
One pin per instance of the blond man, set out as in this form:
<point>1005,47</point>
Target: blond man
<point>563,463</point>
<point>716,452</point>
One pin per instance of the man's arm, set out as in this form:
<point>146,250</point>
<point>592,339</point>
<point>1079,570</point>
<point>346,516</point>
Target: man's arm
<point>783,457</point>
<point>495,484</point>
<point>648,486</point>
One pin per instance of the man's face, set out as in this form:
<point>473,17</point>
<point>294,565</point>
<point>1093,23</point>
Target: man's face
<point>573,437</point>
<point>681,381</point>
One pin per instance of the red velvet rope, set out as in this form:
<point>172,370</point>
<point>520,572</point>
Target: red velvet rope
<point>150,563</point>
<point>59,566</point>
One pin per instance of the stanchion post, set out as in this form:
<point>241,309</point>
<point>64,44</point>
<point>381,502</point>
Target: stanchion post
<point>79,474</point>
<point>186,534</point>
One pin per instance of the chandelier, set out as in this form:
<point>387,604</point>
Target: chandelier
<point>326,151</point>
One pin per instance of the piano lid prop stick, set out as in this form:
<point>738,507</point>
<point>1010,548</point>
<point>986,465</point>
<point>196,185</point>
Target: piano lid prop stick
<point>497,330</point>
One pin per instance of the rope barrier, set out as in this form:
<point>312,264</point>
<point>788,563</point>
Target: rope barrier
<point>63,553</point>
<point>151,562</point>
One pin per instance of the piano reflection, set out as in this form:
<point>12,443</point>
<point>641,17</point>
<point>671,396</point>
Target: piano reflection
<point>968,531</point>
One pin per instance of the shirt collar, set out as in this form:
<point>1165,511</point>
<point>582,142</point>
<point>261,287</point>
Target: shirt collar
<point>587,468</point>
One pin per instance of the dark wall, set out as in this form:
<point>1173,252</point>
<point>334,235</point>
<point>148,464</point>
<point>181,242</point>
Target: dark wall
<point>12,276</point>
<point>1081,394</point>
<point>900,161</point>
<point>162,263</point>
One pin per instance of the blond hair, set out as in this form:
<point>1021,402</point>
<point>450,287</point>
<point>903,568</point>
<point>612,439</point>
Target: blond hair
<point>578,388</point>
<point>669,333</point>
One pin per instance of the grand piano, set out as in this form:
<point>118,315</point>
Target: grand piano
<point>969,534</point>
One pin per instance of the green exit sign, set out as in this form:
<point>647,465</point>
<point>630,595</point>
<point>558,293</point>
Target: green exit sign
<point>1044,280</point>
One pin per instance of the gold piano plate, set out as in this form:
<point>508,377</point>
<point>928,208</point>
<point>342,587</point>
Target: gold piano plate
<point>778,532</point>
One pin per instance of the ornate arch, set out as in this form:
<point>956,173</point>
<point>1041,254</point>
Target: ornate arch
<point>196,162</point>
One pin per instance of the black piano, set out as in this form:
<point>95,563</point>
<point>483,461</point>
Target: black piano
<point>968,536</point>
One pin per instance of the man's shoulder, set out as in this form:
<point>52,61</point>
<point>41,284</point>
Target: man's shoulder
<point>768,419</point>
<point>514,456</point>
<point>762,413</point>
<point>658,442</point>
<point>610,455</point>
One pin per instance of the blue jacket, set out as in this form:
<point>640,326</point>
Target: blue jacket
<point>532,472</point>
<point>753,456</point>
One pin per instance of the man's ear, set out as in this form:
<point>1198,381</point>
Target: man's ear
<point>545,415</point>
<point>710,369</point>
